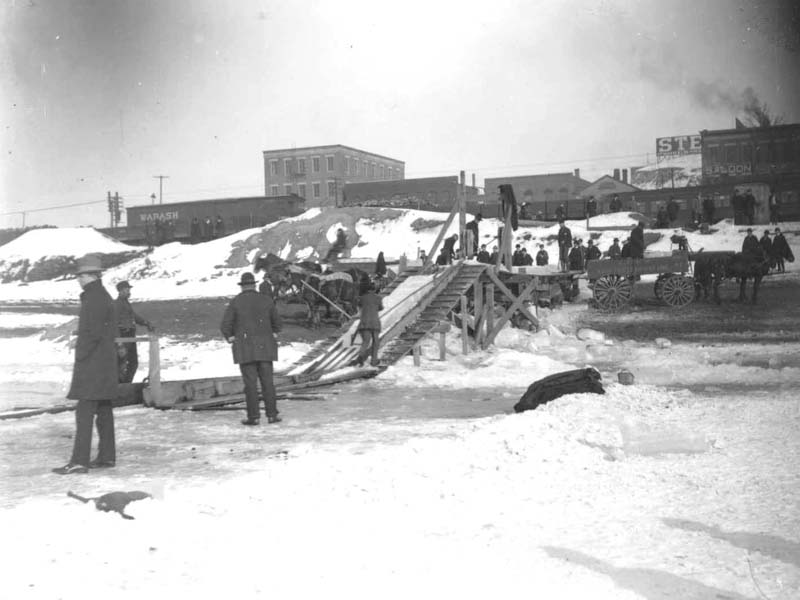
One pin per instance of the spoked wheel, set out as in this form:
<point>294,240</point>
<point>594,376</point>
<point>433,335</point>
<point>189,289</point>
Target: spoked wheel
<point>612,292</point>
<point>677,290</point>
<point>659,284</point>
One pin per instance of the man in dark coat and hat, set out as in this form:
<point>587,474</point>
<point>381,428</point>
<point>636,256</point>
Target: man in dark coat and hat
<point>250,323</point>
<point>127,320</point>
<point>637,241</point>
<point>750,244</point>
<point>472,227</point>
<point>369,326</point>
<point>781,251</point>
<point>564,244</point>
<point>94,376</point>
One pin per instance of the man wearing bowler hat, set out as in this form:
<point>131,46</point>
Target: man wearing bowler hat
<point>94,376</point>
<point>250,323</point>
<point>127,320</point>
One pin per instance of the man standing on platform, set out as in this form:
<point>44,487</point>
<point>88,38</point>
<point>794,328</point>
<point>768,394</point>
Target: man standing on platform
<point>250,323</point>
<point>472,227</point>
<point>94,376</point>
<point>127,320</point>
<point>564,245</point>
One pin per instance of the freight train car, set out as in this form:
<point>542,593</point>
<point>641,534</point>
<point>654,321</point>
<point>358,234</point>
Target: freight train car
<point>158,223</point>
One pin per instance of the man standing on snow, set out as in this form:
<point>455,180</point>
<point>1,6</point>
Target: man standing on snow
<point>369,326</point>
<point>249,324</point>
<point>541,257</point>
<point>127,320</point>
<point>94,376</point>
<point>750,244</point>
<point>637,241</point>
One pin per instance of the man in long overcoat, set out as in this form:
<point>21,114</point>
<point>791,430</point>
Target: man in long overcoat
<point>249,324</point>
<point>637,241</point>
<point>564,244</point>
<point>94,376</point>
<point>369,326</point>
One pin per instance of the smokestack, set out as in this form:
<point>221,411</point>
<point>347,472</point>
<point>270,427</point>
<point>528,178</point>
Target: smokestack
<point>616,174</point>
<point>577,173</point>
<point>473,180</point>
<point>463,178</point>
<point>624,175</point>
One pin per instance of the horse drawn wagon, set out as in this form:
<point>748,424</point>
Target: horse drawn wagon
<point>613,279</point>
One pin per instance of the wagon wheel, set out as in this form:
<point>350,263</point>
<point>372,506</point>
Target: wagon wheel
<point>677,290</point>
<point>612,292</point>
<point>659,284</point>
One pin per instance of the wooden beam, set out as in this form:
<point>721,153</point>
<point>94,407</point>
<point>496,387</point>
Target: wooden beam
<point>510,295</point>
<point>489,314</point>
<point>416,353</point>
<point>477,294</point>
<point>462,216</point>
<point>516,305</point>
<point>464,327</point>
<point>432,254</point>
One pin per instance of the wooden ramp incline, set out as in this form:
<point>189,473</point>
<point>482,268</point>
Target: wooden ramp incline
<point>442,292</point>
<point>433,312</point>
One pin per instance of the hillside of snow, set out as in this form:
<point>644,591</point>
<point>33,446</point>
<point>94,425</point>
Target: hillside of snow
<point>213,268</point>
<point>676,171</point>
<point>49,253</point>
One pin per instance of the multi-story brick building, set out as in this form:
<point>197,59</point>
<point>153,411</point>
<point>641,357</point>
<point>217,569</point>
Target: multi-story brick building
<point>319,173</point>
<point>761,159</point>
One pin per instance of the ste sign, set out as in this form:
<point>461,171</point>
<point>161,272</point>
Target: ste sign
<point>678,145</point>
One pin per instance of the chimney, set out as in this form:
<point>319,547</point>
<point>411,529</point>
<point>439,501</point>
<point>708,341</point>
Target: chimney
<point>624,175</point>
<point>616,174</point>
<point>577,173</point>
<point>462,179</point>
<point>473,180</point>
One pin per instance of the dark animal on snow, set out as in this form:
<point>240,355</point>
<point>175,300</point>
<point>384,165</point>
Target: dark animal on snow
<point>711,268</point>
<point>113,501</point>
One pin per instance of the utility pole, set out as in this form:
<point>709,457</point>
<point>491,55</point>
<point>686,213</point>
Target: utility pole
<point>161,179</point>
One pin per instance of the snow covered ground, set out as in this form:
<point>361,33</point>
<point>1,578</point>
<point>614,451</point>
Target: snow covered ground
<point>420,482</point>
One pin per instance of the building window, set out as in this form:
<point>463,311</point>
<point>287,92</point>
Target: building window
<point>390,172</point>
<point>355,166</point>
<point>287,166</point>
<point>747,153</point>
<point>347,165</point>
<point>315,164</point>
<point>331,189</point>
<point>329,163</point>
<point>273,167</point>
<point>372,170</point>
<point>316,190</point>
<point>730,154</point>
<point>287,189</point>
<point>383,172</point>
<point>273,190</point>
<point>301,190</point>
<point>301,165</point>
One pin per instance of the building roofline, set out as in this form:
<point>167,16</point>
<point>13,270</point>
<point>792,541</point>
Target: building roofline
<point>236,199</point>
<point>747,130</point>
<point>444,178</point>
<point>564,174</point>
<point>321,148</point>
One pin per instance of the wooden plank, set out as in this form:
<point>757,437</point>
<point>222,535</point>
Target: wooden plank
<point>464,327</point>
<point>489,313</point>
<point>431,255</point>
<point>33,412</point>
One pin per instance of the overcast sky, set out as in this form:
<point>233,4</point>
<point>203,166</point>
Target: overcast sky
<point>102,95</point>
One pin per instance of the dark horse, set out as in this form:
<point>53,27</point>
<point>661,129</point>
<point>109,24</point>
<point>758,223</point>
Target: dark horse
<point>710,268</point>
<point>305,282</point>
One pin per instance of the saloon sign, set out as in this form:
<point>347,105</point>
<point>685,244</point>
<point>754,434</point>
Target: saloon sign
<point>677,145</point>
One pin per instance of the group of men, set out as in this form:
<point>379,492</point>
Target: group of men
<point>744,206</point>
<point>207,230</point>
<point>776,249</point>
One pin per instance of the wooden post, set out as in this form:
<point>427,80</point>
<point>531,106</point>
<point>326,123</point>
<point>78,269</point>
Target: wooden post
<point>462,215</point>
<point>443,349</point>
<point>464,326</point>
<point>489,312</point>
<point>154,369</point>
<point>432,254</point>
<point>416,353</point>
<point>477,293</point>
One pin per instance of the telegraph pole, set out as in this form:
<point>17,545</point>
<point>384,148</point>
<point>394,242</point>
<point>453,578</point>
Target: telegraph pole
<point>161,179</point>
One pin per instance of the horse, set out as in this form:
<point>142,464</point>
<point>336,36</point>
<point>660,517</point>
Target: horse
<point>710,268</point>
<point>305,282</point>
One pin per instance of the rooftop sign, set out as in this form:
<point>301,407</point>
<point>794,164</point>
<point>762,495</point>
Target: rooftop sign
<point>677,145</point>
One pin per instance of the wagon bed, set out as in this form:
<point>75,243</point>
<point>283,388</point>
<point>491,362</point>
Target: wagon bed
<point>612,279</point>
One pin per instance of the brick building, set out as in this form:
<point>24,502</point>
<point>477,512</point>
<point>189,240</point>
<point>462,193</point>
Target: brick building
<point>543,193</point>
<point>319,173</point>
<point>758,158</point>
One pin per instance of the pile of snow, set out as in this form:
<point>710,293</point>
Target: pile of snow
<point>676,171</point>
<point>49,253</point>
